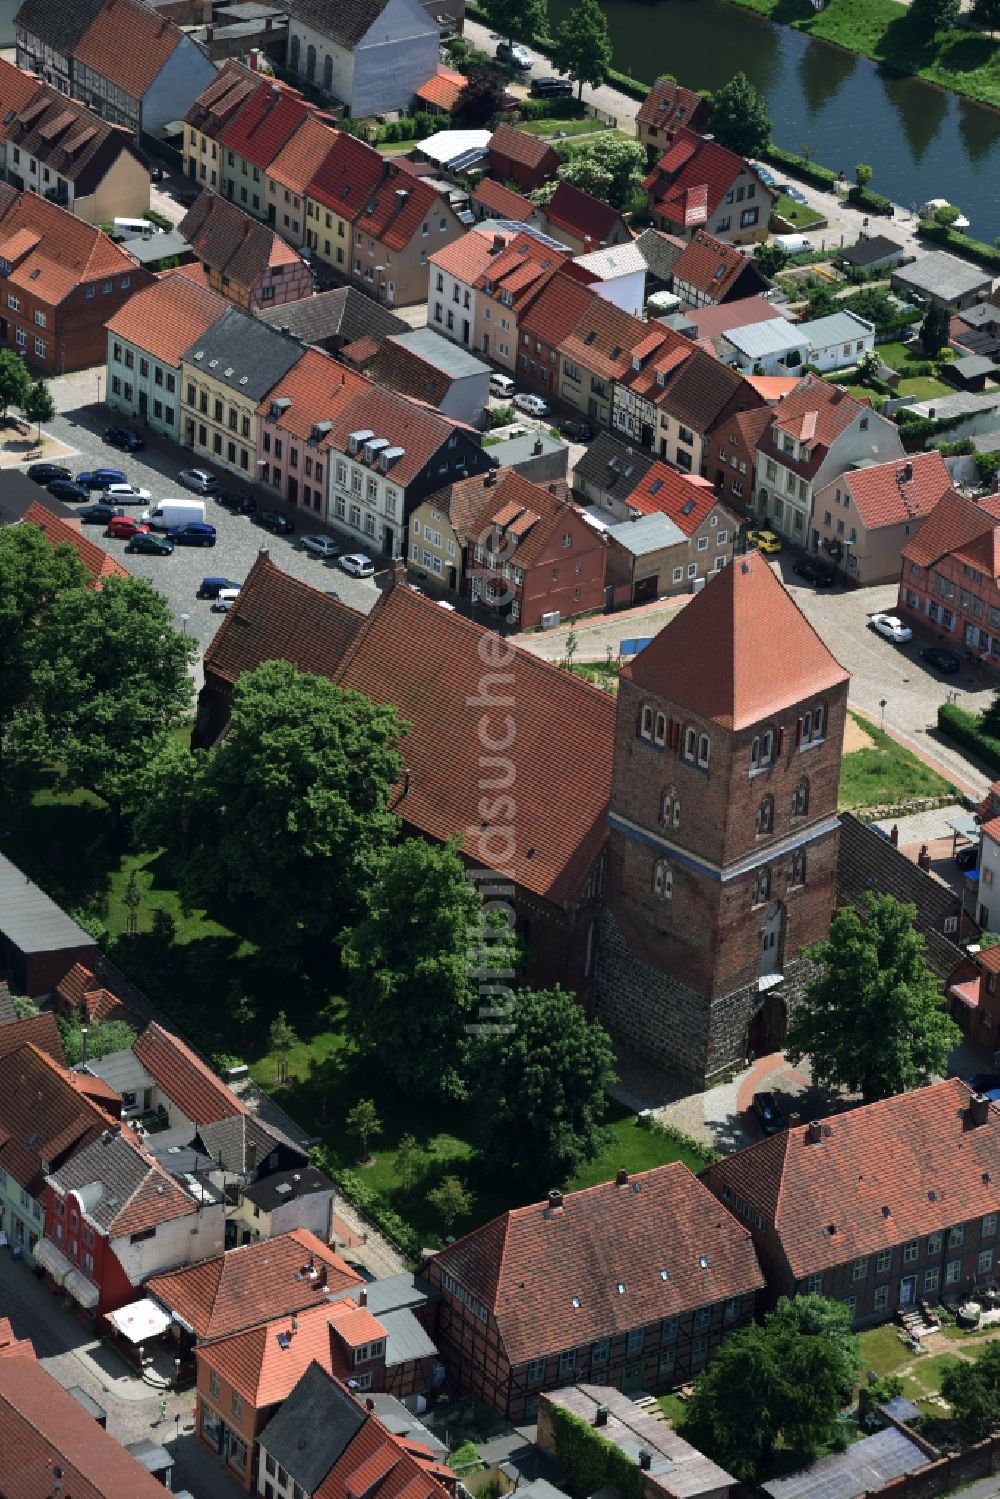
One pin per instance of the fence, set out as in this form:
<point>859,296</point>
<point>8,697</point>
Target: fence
<point>944,1474</point>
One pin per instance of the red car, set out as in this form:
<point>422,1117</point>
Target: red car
<point>124,526</point>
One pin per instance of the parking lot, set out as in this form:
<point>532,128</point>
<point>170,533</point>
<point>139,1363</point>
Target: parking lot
<point>239,540</point>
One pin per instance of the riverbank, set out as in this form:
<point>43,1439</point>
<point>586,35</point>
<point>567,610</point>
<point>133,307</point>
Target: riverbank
<point>965,61</point>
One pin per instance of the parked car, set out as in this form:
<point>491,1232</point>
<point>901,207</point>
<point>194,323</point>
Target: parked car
<point>150,543</point>
<point>44,473</point>
<point>526,400</point>
<point>239,504</point>
<point>358,565</point>
<point>124,526</point>
<point>501,386</point>
<point>770,1116</point>
<point>126,438</point>
<point>100,478</point>
<point>967,857</point>
<point>321,546</point>
<point>226,599</point>
<point>198,479</point>
<point>210,588</point>
<point>764,541</point>
<point>128,494</point>
<point>98,514</point>
<point>813,571</point>
<point>514,53</point>
<point>156,174</point>
<point>551,88</point>
<point>68,491</point>
<point>195,534</point>
<point>941,660</point>
<point>890,628</point>
<point>271,520</point>
<point>575,430</point>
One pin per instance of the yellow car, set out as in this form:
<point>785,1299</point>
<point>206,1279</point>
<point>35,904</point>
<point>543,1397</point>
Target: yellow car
<point>764,541</point>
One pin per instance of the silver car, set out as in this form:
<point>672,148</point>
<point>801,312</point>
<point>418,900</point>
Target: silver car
<point>321,546</point>
<point>198,479</point>
<point>358,565</point>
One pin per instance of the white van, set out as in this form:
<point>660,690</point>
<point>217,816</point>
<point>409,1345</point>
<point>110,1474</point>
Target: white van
<point>174,513</point>
<point>145,227</point>
<point>793,244</point>
<point>502,385</point>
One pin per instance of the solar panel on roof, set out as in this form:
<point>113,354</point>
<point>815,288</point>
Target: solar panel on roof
<point>656,486</point>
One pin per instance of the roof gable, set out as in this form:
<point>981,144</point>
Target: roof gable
<point>129,44</point>
<point>265,125</point>
<point>713,267</point>
<point>186,1080</point>
<point>954,523</point>
<point>520,146</point>
<point>669,105</point>
<point>57,532</point>
<point>347,177</point>
<point>584,217</point>
<point>887,493</point>
<point>42,1116</point>
<point>708,657</point>
<point>167,316</point>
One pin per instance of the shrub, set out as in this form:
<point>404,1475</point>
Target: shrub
<point>798,166</point>
<point>961,244</point>
<point>376,1208</point>
<point>703,1153</point>
<point>863,197</point>
<point>552,109</point>
<point>500,416</point>
<point>964,728</point>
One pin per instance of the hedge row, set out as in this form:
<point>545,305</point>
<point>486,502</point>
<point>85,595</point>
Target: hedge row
<point>799,166</point>
<point>871,202</point>
<point>377,1209</point>
<point>961,244</point>
<point>884,331</point>
<point>551,109</point>
<point>963,727</point>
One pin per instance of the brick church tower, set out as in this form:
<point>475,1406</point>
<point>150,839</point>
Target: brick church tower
<point>724,831</point>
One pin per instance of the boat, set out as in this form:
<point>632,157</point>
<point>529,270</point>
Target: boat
<point>933,204</point>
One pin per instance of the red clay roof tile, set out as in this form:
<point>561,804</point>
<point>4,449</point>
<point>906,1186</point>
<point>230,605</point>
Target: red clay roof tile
<point>907,489</point>
<point>188,1081</point>
<point>520,146</point>
<point>129,44</point>
<point>586,218</point>
<point>167,317</point>
<point>347,177</point>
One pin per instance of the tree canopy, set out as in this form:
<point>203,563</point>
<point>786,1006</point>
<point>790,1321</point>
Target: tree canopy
<point>38,405</point>
<point>785,1380</point>
<point>518,18</point>
<point>414,989</point>
<point>934,330</point>
<point>15,382</point>
<point>107,678</point>
<point>874,1021</point>
<point>290,811</point>
<point>973,1391</point>
<point>583,45</point>
<point>481,98</point>
<point>543,1089</point>
<point>105,1037</point>
<point>986,13</point>
<point>32,574</point>
<point>934,15</point>
<point>740,120</point>
<point>610,169</point>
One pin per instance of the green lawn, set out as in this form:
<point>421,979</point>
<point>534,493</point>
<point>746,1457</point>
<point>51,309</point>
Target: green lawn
<point>885,772</point>
<point>959,59</point>
<point>799,214</point>
<point>550,128</point>
<point>601,673</point>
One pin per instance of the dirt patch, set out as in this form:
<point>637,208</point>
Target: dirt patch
<point>856,737</point>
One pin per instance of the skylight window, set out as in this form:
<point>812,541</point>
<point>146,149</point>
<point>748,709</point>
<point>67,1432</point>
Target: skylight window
<point>703,1262</point>
<point>621,1288</point>
<point>590,336</point>
<point>656,486</point>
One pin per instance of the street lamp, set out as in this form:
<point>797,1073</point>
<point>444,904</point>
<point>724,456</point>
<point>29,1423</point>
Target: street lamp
<point>184,629</point>
<point>98,387</point>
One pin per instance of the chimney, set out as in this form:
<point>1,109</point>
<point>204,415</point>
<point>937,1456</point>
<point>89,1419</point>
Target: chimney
<point>363,1296</point>
<point>490,477</point>
<point>398,573</point>
<point>498,243</point>
<point>814,1132</point>
<point>621,1177</point>
<point>321,1277</point>
<point>369,1403</point>
<point>251,1155</point>
<point>296,1180</point>
<point>555,1201</point>
<point>83,1045</point>
<point>295,1324</point>
<point>645,1460</point>
<point>254,59</point>
<point>979,1110</point>
<point>907,472</point>
<point>537,447</point>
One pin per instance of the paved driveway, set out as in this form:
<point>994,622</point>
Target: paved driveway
<point>239,539</point>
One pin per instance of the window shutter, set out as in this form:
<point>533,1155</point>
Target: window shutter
<point>798,732</point>
<point>781,741</point>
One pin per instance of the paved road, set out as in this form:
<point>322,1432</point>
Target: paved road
<point>73,1357</point>
<point>239,540</point>
<point>605,98</point>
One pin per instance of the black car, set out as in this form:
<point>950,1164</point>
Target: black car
<point>44,473</point>
<point>769,1114</point>
<point>967,857</point>
<point>551,88</point>
<point>156,174</point>
<point>99,514</point>
<point>195,534</point>
<point>126,438</point>
<point>272,521</point>
<point>148,541</point>
<point>239,504</point>
<point>210,588</point>
<point>941,660</point>
<point>813,571</point>
<point>68,491</point>
<point>576,431</point>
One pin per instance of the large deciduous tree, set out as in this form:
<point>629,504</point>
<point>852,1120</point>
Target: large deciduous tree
<point>986,13</point>
<point>740,120</point>
<point>934,15</point>
<point>784,1381</point>
<point>413,957</point>
<point>482,97</point>
<point>107,679</point>
<point>15,382</point>
<point>610,168</point>
<point>583,45</point>
<point>32,575</point>
<point>289,813</point>
<point>518,19</point>
<point>874,1021</point>
<point>934,330</point>
<point>972,1389</point>
<point>545,1076</point>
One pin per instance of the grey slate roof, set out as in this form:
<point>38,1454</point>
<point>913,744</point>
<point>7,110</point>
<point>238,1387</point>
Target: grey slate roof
<point>868,862</point>
<point>973,365</point>
<point>440,352</point>
<point>313,1428</point>
<point>30,920</point>
<point>343,313</point>
<point>606,461</point>
<point>405,1339</point>
<point>392,1293</point>
<point>660,252</point>
<point>271,1191</point>
<point>111,1169</point>
<point>345,22</point>
<point>403,1423</point>
<point>248,356</point>
<point>650,533</point>
<point>242,1143</point>
<point>59,23</point>
<point>870,251</point>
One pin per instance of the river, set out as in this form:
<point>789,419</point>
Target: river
<point>922,142</point>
